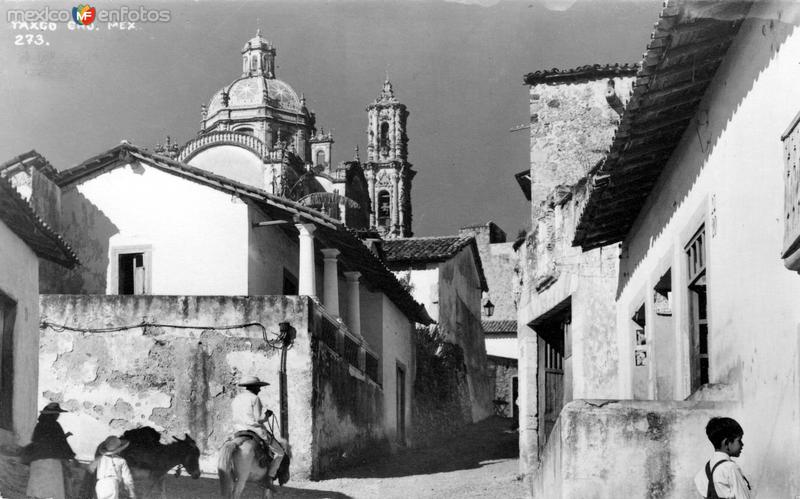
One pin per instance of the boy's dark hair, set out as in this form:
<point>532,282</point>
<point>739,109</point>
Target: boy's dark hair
<point>721,429</point>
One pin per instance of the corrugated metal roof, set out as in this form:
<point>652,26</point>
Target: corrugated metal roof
<point>688,45</point>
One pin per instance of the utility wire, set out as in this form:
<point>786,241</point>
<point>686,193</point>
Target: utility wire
<point>59,328</point>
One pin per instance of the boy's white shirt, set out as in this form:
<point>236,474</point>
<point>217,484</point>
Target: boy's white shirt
<point>728,479</point>
<point>115,467</point>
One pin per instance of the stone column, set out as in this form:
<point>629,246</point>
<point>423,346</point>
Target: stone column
<point>353,302</point>
<point>330,293</point>
<point>307,280</point>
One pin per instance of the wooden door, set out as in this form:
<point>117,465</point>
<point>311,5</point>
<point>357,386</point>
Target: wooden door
<point>553,386</point>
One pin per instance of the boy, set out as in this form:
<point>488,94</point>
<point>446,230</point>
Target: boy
<point>721,477</point>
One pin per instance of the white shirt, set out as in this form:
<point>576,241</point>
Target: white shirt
<point>247,413</point>
<point>728,479</point>
<point>115,467</point>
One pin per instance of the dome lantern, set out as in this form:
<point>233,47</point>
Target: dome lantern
<point>258,57</point>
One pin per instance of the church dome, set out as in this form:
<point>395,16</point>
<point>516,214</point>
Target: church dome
<point>255,91</point>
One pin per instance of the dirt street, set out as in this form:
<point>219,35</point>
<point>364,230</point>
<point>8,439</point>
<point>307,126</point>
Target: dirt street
<point>482,461</point>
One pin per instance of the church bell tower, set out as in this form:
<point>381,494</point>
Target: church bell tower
<point>387,169</point>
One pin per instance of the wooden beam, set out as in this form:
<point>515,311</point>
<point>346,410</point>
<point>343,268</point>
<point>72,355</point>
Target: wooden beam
<point>269,223</point>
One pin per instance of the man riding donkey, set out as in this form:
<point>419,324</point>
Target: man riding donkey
<point>249,418</point>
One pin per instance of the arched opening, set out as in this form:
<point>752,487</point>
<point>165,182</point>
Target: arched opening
<point>384,139</point>
<point>246,130</point>
<point>384,208</point>
<point>255,63</point>
<point>245,68</point>
<point>320,157</point>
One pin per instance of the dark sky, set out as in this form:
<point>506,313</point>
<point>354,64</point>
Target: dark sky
<point>458,68</point>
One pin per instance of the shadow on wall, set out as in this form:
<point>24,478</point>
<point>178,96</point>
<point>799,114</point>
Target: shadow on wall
<point>472,447</point>
<point>88,230</point>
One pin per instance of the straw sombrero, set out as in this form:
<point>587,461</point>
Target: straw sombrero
<point>53,408</point>
<point>252,381</point>
<point>113,445</point>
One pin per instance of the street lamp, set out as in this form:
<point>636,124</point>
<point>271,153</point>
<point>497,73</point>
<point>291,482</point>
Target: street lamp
<point>488,308</point>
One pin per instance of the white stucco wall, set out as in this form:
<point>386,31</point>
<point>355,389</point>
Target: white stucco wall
<point>398,349</point>
<point>198,235</point>
<point>729,174</point>
<point>234,163</point>
<point>502,345</point>
<point>19,280</point>
<point>424,287</point>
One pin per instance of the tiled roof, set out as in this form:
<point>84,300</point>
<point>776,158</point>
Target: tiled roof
<point>30,158</point>
<point>499,327</point>
<point>354,255</point>
<point>19,216</point>
<point>400,253</point>
<point>581,73</point>
<point>687,47</point>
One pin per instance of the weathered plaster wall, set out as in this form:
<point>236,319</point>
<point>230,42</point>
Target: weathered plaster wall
<point>198,236</point>
<point>19,277</point>
<point>348,411</point>
<point>371,304</point>
<point>398,350</point>
<point>571,126</point>
<point>176,380</point>
<point>728,173</point>
<point>235,163</point>
<point>555,273</point>
<point>505,370</point>
<point>610,449</point>
<point>499,261</point>
<point>459,319</point>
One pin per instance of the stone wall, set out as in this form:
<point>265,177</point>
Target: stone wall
<point>499,261</point>
<point>175,380</point>
<point>459,319</point>
<point>348,424</point>
<point>504,370</point>
<point>441,395</point>
<point>571,126</point>
<point>608,449</point>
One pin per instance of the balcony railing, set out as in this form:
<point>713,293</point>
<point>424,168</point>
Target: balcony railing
<point>337,338</point>
<point>247,141</point>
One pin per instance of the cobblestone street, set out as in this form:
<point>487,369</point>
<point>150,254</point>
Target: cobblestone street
<point>482,461</point>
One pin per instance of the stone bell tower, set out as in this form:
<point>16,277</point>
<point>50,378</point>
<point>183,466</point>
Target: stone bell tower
<point>387,170</point>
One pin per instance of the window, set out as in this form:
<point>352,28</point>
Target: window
<point>384,208</point>
<point>131,271</point>
<point>8,309</point>
<point>247,130</point>
<point>320,157</point>
<point>384,140</point>
<point>698,310</point>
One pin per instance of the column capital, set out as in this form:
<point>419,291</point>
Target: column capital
<point>306,229</point>
<point>330,253</point>
<point>352,276</point>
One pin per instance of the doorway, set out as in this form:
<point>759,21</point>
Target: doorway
<point>401,405</point>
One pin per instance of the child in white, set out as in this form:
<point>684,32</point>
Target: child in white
<point>112,469</point>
